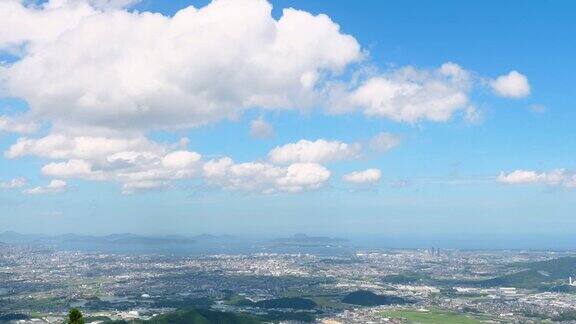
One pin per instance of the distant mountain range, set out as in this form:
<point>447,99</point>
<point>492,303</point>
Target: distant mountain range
<point>180,244</point>
<point>10,237</point>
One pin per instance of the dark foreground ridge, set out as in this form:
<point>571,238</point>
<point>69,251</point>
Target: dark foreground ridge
<point>183,316</point>
<point>368,298</point>
<point>206,316</point>
<point>292,303</point>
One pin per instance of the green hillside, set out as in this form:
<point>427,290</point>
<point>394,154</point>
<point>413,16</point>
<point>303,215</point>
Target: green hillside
<point>536,274</point>
<point>405,278</point>
<point>560,268</point>
<point>522,279</point>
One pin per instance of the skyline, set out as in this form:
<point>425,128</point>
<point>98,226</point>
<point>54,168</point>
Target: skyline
<point>239,117</point>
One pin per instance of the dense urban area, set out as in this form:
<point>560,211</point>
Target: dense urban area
<point>326,282</point>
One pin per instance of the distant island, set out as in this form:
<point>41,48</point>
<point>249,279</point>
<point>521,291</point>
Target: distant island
<point>153,241</point>
<point>10,237</point>
<point>303,240</point>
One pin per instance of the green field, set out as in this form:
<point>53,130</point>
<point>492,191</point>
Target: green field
<point>329,302</point>
<point>430,317</point>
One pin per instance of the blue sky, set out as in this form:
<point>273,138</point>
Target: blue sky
<point>507,167</point>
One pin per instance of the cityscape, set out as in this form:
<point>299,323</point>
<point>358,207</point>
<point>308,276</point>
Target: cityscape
<point>326,282</point>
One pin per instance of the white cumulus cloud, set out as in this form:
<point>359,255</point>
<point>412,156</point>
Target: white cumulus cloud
<point>363,177</point>
<point>318,151</point>
<point>114,4</point>
<point>141,165</point>
<point>34,25</point>
<point>180,159</point>
<point>135,162</point>
<point>511,85</point>
<point>69,169</point>
<point>17,125</point>
<point>383,142</point>
<point>14,183</point>
<point>557,178</point>
<point>409,94</point>
<point>260,128</point>
<point>55,186</point>
<point>201,65</point>
<point>65,146</point>
<point>265,177</point>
